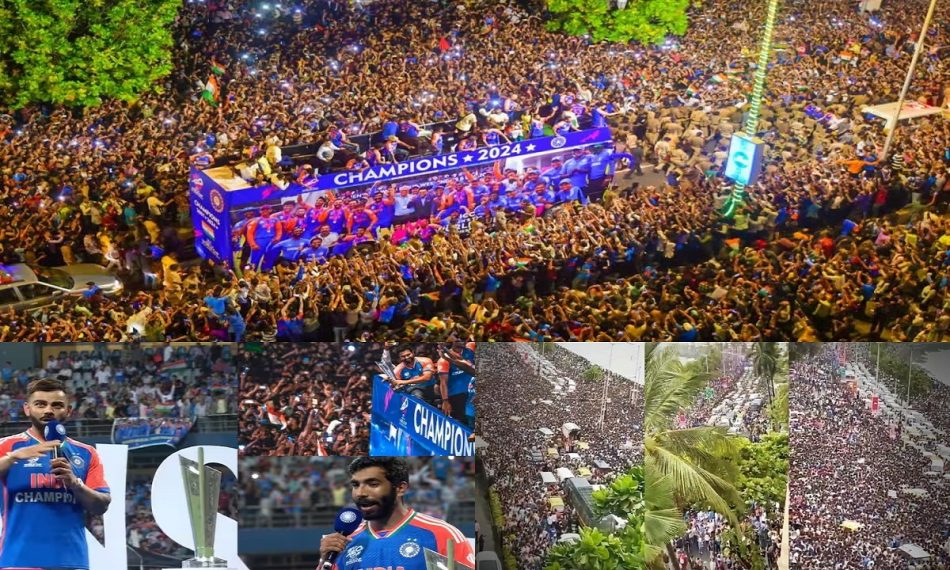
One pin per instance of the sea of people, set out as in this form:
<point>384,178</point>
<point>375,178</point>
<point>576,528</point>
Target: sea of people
<point>823,247</point>
<point>515,403</point>
<point>306,398</point>
<point>164,381</point>
<point>850,474</point>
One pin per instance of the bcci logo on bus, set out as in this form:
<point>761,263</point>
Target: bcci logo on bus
<point>217,200</point>
<point>558,142</point>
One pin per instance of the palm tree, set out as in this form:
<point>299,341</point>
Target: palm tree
<point>765,362</point>
<point>684,467</point>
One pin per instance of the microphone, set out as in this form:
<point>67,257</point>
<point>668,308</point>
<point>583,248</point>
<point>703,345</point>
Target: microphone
<point>347,521</point>
<point>55,431</point>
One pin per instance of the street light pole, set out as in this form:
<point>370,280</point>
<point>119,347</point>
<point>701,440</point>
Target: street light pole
<point>910,366</point>
<point>910,75</point>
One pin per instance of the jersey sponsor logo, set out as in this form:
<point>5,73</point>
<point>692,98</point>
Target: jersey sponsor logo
<point>409,549</point>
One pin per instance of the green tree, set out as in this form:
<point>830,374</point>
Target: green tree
<point>594,374</point>
<point>684,468</point>
<point>645,21</point>
<point>598,551</point>
<point>763,469</point>
<point>80,52</point>
<point>623,497</point>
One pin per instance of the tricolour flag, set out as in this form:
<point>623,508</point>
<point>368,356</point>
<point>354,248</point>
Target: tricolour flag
<point>216,67</point>
<point>211,93</point>
<point>207,229</point>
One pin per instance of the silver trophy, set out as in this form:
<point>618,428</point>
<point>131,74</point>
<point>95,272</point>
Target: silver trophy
<point>202,489</point>
<point>387,368</point>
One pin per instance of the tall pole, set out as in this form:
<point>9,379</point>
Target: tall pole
<point>758,90</point>
<point>910,75</point>
<point>910,367</point>
<point>877,371</point>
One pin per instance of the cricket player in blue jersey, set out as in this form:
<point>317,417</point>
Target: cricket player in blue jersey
<point>393,536</point>
<point>416,374</point>
<point>456,369</point>
<point>46,499</point>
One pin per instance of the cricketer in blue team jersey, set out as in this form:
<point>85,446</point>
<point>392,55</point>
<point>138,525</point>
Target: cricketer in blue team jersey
<point>457,373</point>
<point>393,536</point>
<point>45,499</point>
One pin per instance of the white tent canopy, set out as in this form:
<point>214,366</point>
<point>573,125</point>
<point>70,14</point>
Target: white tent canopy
<point>914,551</point>
<point>910,110</point>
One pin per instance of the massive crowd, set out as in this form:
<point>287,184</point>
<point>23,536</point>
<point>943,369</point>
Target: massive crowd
<point>515,403</point>
<point>820,250</point>
<point>163,381</point>
<point>849,466</point>
<point>306,398</point>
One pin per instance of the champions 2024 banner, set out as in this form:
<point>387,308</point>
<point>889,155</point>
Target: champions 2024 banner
<point>219,213</point>
<point>404,425</point>
<point>145,432</point>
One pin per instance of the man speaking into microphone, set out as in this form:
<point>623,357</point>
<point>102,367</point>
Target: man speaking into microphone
<point>49,483</point>
<point>393,535</point>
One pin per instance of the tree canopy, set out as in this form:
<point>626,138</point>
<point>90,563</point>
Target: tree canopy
<point>644,21</point>
<point>80,52</point>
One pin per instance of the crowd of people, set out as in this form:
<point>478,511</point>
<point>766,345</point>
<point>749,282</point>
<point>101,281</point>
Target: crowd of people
<point>147,382</point>
<point>306,398</point>
<point>849,474</point>
<point>821,249</point>
<point>515,403</point>
<point>703,546</point>
<point>280,492</point>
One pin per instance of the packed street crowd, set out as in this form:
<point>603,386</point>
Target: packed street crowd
<point>859,489</point>
<point>306,398</point>
<point>515,403</point>
<point>819,251</point>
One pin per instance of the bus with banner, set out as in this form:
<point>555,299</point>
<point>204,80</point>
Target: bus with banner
<point>222,203</point>
<point>403,425</point>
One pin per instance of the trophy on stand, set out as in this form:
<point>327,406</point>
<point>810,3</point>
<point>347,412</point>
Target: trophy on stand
<point>202,488</point>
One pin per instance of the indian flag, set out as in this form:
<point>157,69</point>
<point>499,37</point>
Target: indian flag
<point>211,93</point>
<point>847,55</point>
<point>718,78</point>
<point>179,364</point>
<point>216,67</point>
<point>207,229</point>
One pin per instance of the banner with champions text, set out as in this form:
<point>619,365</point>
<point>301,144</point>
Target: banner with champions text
<point>146,432</point>
<point>403,425</point>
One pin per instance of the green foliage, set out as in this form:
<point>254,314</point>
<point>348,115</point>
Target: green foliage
<point>79,52</point>
<point>644,21</point>
<point>895,363</point>
<point>763,469</point>
<point>623,497</point>
<point>509,562</point>
<point>598,551</point>
<point>594,374</point>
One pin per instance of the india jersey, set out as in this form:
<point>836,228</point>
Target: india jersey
<point>459,380</point>
<point>419,366</point>
<point>403,547</point>
<point>43,523</point>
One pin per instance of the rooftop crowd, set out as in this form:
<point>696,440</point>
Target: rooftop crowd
<point>844,464</point>
<point>511,412</point>
<point>819,251</point>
